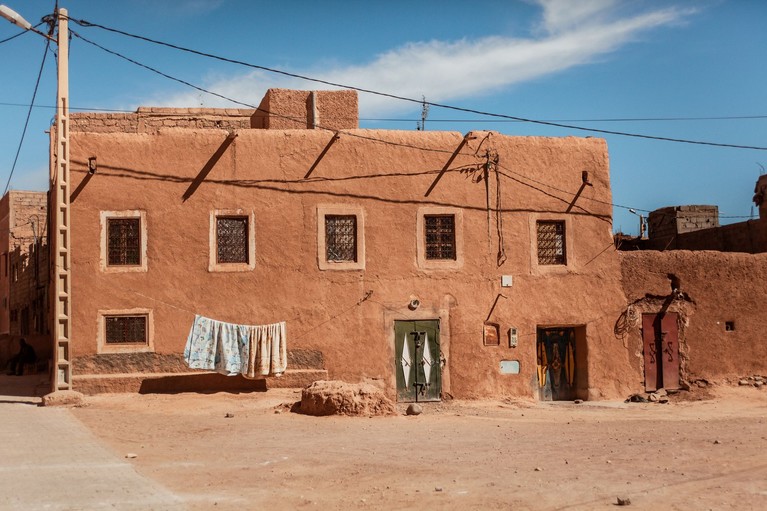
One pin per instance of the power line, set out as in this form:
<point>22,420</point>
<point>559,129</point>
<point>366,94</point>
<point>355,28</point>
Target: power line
<point>617,119</point>
<point>355,135</point>
<point>20,33</point>
<point>85,23</point>
<point>29,114</point>
<point>474,121</point>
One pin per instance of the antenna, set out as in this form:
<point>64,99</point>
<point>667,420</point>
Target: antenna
<point>421,125</point>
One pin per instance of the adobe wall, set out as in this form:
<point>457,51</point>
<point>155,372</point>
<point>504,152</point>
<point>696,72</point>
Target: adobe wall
<point>151,119</point>
<point>283,109</point>
<point>264,170</point>
<point>716,288</point>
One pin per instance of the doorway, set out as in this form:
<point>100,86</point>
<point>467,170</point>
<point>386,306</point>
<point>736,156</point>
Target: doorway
<point>660,343</point>
<point>555,350</point>
<point>417,360</point>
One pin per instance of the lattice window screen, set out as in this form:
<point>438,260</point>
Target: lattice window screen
<point>232,239</point>
<point>125,329</point>
<point>440,236</point>
<point>341,238</point>
<point>551,243</point>
<point>124,241</point>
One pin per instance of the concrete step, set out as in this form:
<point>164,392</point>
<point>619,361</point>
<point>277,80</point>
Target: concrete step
<point>199,381</point>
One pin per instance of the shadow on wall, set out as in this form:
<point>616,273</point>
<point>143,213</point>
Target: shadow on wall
<point>283,186</point>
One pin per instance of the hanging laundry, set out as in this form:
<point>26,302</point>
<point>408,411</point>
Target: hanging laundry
<point>266,351</point>
<point>250,350</point>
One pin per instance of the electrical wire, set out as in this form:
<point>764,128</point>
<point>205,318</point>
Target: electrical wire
<point>421,101</point>
<point>20,33</point>
<point>355,135</point>
<point>474,121</point>
<point>29,114</point>
<point>606,119</point>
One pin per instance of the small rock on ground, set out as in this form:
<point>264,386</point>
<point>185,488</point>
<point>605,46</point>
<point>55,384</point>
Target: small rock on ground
<point>624,501</point>
<point>63,398</point>
<point>414,409</point>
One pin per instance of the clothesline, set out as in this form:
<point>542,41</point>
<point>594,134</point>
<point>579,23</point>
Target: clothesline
<point>365,298</point>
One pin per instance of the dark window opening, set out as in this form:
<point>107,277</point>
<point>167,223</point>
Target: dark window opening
<point>440,236</point>
<point>125,329</point>
<point>341,238</point>
<point>551,243</point>
<point>729,326</point>
<point>124,241</point>
<point>232,239</point>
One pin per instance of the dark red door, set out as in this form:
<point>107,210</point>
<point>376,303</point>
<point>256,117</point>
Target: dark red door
<point>660,338</point>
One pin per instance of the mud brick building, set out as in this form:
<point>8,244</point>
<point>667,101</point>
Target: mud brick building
<point>23,272</point>
<point>438,264</point>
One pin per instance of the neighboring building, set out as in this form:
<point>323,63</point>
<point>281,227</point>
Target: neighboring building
<point>760,196</point>
<point>667,223</point>
<point>697,228</point>
<point>364,241</point>
<point>23,273</point>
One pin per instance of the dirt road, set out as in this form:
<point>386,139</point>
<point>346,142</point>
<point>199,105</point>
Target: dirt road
<point>457,455</point>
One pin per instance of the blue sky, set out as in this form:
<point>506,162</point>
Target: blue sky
<point>576,61</point>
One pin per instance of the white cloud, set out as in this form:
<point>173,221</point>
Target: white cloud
<point>572,34</point>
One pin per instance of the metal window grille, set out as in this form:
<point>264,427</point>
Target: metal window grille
<point>232,239</point>
<point>440,236</point>
<point>125,329</point>
<point>551,243</point>
<point>341,238</point>
<point>124,241</point>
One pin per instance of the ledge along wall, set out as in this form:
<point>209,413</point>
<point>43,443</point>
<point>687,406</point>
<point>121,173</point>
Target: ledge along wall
<point>385,174</point>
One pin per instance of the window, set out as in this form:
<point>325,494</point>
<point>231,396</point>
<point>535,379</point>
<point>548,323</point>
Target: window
<point>440,236</point>
<point>125,329</point>
<point>124,241</point>
<point>341,238</point>
<point>551,243</point>
<point>232,239</point>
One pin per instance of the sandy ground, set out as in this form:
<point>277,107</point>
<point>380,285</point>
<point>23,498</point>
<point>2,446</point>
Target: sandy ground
<point>687,454</point>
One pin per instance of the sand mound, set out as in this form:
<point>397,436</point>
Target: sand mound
<point>340,398</point>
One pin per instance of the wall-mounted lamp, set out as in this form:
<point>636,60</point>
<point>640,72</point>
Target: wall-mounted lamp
<point>92,165</point>
<point>414,304</point>
<point>585,178</point>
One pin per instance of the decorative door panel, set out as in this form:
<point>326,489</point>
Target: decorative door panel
<point>660,340</point>
<point>417,360</point>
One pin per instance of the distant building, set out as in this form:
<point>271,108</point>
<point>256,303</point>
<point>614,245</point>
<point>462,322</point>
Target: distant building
<point>23,273</point>
<point>698,228</point>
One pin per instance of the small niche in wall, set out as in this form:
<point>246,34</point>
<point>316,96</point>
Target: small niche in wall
<point>729,326</point>
<point>491,334</point>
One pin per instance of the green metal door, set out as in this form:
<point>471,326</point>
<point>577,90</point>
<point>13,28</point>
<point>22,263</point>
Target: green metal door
<point>417,360</point>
